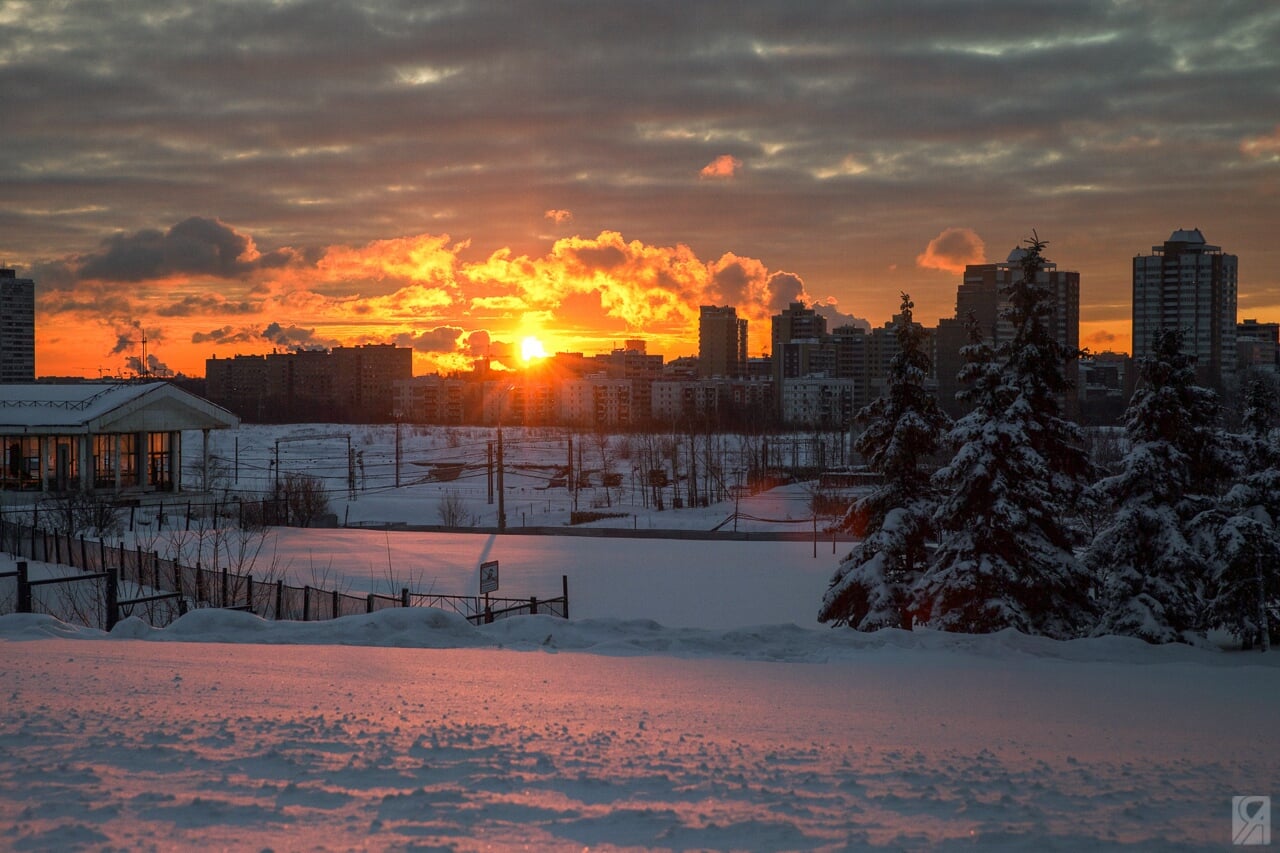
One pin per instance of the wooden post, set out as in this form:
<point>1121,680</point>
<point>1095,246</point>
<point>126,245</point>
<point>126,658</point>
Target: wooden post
<point>84,554</point>
<point>336,604</point>
<point>404,596</point>
<point>113,598</point>
<point>564,588</point>
<point>24,588</point>
<point>306,603</point>
<point>368,603</point>
<point>248,591</point>
<point>225,593</point>
<point>199,583</point>
<point>279,600</point>
<point>533,605</point>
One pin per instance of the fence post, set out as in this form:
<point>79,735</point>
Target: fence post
<point>564,590</point>
<point>279,600</point>
<point>155,571</point>
<point>306,603</point>
<point>177,587</point>
<point>404,596</point>
<point>248,591</point>
<point>84,554</point>
<point>141,577</point>
<point>533,605</point>
<point>102,555</point>
<point>337,603</point>
<point>368,603</point>
<point>57,549</point>
<point>24,588</point>
<point>199,584</point>
<point>113,598</point>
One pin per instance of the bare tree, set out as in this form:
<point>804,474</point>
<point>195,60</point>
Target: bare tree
<point>452,509</point>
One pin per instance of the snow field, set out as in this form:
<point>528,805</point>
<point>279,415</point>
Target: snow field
<point>413,729</point>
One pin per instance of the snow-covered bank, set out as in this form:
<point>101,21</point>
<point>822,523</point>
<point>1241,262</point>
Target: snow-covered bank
<point>606,733</point>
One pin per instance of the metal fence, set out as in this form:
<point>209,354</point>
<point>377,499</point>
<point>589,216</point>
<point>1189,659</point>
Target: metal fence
<point>116,581</point>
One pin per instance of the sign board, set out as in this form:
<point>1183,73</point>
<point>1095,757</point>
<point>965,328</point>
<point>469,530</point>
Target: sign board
<point>488,577</point>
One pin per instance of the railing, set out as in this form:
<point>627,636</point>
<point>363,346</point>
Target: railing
<point>165,589</point>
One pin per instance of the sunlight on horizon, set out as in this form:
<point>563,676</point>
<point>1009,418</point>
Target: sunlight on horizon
<point>531,348</point>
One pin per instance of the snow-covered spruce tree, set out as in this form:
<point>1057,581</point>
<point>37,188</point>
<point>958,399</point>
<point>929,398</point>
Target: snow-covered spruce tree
<point>1150,576</point>
<point>1240,536</point>
<point>870,587</point>
<point>1004,557</point>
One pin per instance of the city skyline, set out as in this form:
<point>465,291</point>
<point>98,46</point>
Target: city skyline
<point>224,179</point>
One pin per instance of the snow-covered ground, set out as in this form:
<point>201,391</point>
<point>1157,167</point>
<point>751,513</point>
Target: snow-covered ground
<point>691,703</point>
<point>411,729</point>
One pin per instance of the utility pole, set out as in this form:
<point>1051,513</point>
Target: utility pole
<point>489,467</point>
<point>502,503</point>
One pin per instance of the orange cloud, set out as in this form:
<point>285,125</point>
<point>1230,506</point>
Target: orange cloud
<point>952,250</point>
<point>583,294</point>
<point>1266,146</point>
<point>723,167</point>
<point>559,217</point>
<point>424,257</point>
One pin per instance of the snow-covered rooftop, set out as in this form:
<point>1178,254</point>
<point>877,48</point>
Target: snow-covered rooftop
<point>87,406</point>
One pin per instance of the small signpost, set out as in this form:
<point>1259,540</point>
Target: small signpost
<point>488,584</point>
<point>488,577</point>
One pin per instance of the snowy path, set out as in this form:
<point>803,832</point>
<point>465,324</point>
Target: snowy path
<point>128,743</point>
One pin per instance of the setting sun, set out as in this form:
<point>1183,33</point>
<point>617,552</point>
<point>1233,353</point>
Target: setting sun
<point>531,348</point>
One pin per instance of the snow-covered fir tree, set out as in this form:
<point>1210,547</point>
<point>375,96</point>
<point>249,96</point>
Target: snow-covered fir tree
<point>870,588</point>
<point>1004,557</point>
<point>1240,536</point>
<point>1151,578</point>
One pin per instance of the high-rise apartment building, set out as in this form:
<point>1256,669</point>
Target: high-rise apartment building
<point>722,342</point>
<point>797,336</point>
<point>17,327</point>
<point>983,296</point>
<point>1189,285</point>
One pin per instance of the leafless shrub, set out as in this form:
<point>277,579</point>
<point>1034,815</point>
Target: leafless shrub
<point>452,509</point>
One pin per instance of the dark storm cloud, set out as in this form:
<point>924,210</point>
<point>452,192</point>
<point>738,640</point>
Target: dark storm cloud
<point>856,130</point>
<point>195,246</point>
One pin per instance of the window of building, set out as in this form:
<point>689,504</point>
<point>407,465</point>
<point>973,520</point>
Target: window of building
<point>159,461</point>
<point>104,461</point>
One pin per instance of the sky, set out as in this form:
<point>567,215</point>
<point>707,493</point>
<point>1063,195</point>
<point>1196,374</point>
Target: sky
<point>242,177</point>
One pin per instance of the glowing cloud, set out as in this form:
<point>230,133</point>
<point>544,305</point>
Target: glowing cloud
<point>722,168</point>
<point>559,217</point>
<point>952,250</point>
<point>1266,146</point>
<point>418,291</point>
